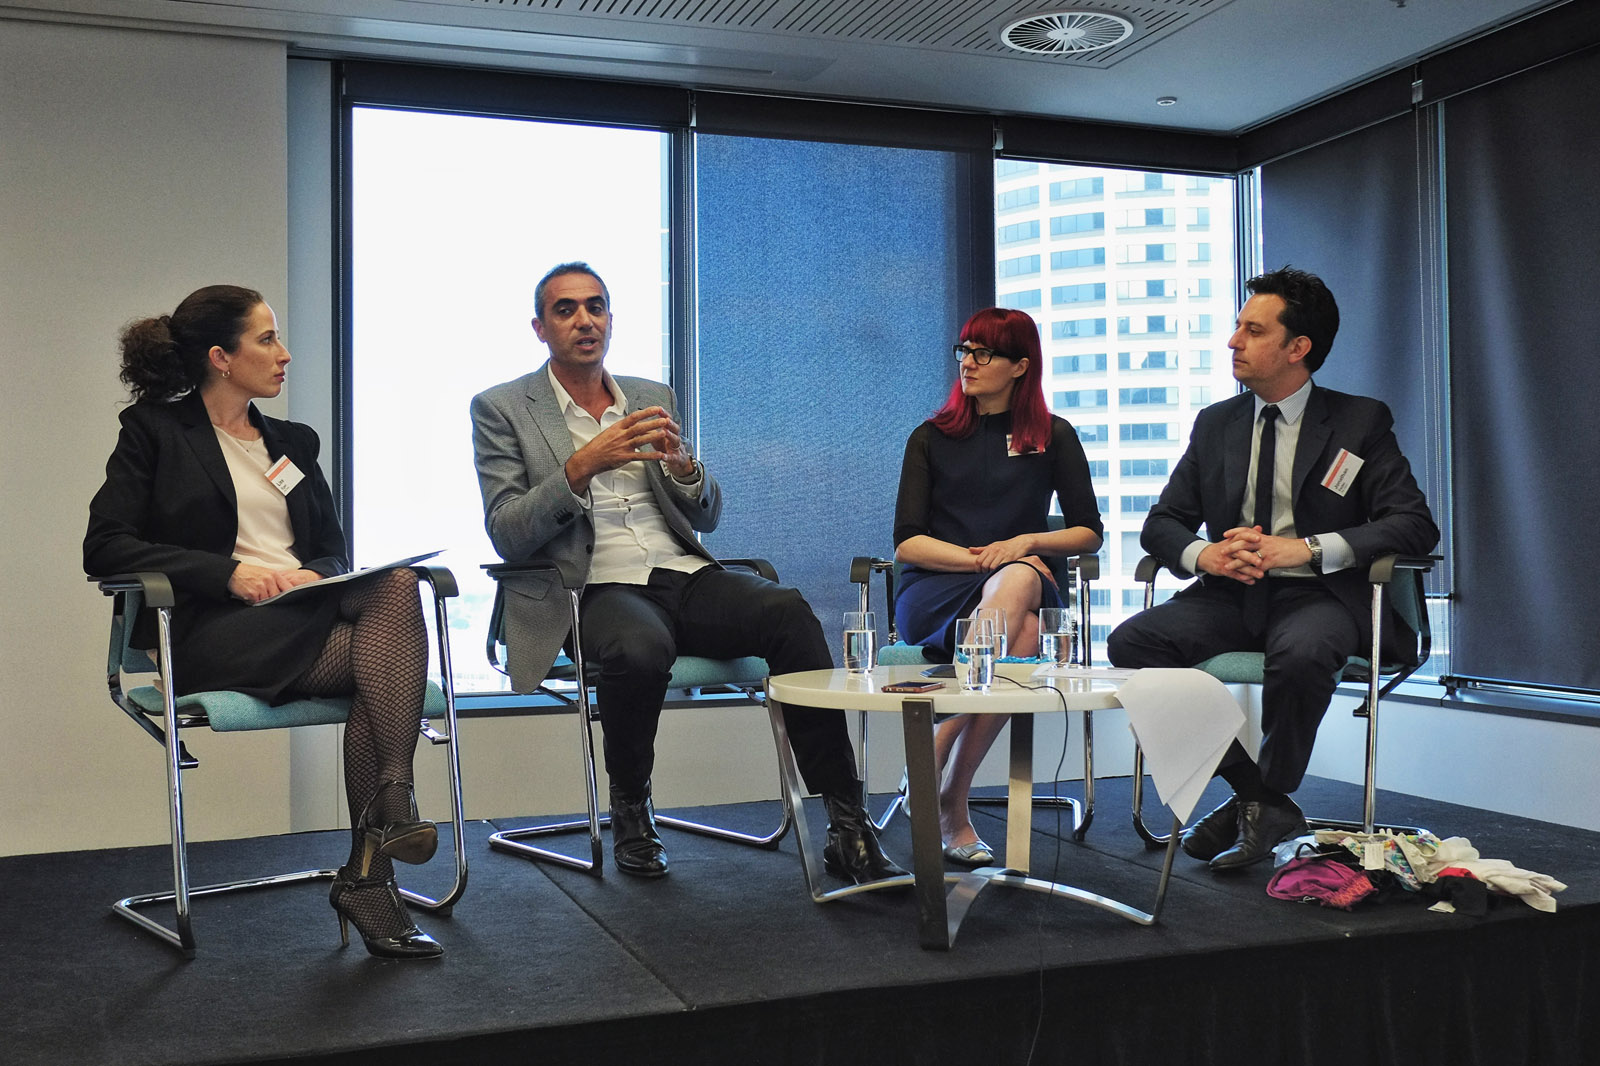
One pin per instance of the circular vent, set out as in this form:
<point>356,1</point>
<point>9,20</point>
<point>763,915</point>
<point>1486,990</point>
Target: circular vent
<point>1066,32</point>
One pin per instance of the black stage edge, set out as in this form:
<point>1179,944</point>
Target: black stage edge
<point>729,961</point>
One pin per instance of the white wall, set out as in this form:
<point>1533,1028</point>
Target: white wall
<point>136,166</point>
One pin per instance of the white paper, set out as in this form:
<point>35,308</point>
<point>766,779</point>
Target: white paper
<point>1184,720</point>
<point>410,560</point>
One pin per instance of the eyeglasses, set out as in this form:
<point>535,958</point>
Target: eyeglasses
<point>981,356</point>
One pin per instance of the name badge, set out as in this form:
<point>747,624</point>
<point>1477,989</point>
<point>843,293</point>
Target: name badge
<point>284,475</point>
<point>1342,471</point>
<point>1012,452</point>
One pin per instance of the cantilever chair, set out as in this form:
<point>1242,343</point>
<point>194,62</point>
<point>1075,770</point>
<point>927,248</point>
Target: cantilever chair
<point>154,709</point>
<point>1079,570</point>
<point>745,676</point>
<point>1396,581</point>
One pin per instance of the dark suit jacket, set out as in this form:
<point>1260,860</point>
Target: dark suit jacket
<point>168,502</point>
<point>521,445</point>
<point>1383,511</point>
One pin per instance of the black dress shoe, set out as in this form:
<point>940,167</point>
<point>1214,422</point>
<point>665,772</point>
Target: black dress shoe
<point>852,852</point>
<point>1213,834</point>
<point>1262,827</point>
<point>636,847</point>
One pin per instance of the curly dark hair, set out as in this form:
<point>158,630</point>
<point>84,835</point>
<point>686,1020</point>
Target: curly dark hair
<point>1309,308</point>
<point>167,356</point>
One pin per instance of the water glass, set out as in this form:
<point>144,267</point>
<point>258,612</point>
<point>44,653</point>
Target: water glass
<point>975,645</point>
<point>860,642</point>
<point>1058,633</point>
<point>997,620</point>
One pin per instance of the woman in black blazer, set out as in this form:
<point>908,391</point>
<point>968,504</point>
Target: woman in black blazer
<point>232,506</point>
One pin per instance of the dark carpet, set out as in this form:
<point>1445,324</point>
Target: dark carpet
<point>728,960</point>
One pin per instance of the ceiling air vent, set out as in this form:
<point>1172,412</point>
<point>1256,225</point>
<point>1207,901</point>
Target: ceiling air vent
<point>1066,32</point>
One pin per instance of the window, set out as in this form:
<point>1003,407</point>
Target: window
<point>1099,597</point>
<point>1088,222</point>
<point>1012,168</point>
<point>1078,364</point>
<point>1074,190</point>
<point>1149,216</point>
<point>1199,325</point>
<point>1137,397</point>
<point>1132,551</point>
<point>1147,289</point>
<point>1144,467</point>
<point>1094,435</point>
<point>1144,325</point>
<point>1070,294</point>
<point>1016,199</point>
<point>1022,264</point>
<point>1137,504</point>
<point>1149,253</point>
<point>1019,231</point>
<point>1078,257</point>
<point>1147,360</point>
<point>1199,395</point>
<point>1081,327</point>
<point>1022,301</point>
<point>1200,361</point>
<point>1142,431</point>
<point>1200,253</point>
<point>416,218</point>
<point>1079,398</point>
<point>1199,218</point>
<point>1099,469</point>
<point>1199,288</point>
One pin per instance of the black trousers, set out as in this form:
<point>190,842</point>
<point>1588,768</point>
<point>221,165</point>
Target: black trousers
<point>632,634</point>
<point>1307,635</point>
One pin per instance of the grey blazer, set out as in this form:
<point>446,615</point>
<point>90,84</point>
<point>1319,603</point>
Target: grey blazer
<point>521,445</point>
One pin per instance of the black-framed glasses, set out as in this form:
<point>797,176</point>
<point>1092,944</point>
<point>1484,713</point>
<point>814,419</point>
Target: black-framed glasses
<point>981,356</point>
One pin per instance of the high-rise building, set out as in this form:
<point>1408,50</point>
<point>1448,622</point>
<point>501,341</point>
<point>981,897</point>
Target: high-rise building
<point>1131,277</point>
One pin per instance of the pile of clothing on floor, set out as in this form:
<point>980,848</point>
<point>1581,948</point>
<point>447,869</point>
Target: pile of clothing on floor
<point>1338,868</point>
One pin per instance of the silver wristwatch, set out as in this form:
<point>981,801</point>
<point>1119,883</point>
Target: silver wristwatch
<point>1316,553</point>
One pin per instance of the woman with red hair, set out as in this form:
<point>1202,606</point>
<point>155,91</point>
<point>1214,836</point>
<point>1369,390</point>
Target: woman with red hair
<point>971,527</point>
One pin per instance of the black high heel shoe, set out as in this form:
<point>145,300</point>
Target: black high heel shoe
<point>413,841</point>
<point>409,943</point>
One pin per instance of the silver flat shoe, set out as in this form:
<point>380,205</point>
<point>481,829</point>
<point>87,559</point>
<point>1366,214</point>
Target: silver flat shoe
<point>976,853</point>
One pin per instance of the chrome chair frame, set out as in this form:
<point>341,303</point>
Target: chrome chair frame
<point>738,674</point>
<point>1384,575</point>
<point>1083,570</point>
<point>154,591</point>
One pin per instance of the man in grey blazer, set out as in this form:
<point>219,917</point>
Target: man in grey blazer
<point>591,473</point>
<point>1298,488</point>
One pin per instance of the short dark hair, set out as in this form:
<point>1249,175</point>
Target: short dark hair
<point>1309,308</point>
<point>165,357</point>
<point>561,270</point>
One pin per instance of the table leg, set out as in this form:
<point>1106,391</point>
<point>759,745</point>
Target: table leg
<point>927,844</point>
<point>1019,795</point>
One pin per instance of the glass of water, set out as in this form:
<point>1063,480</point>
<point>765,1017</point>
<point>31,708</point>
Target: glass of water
<point>860,642</point>
<point>975,645</point>
<point>997,621</point>
<point>1057,635</point>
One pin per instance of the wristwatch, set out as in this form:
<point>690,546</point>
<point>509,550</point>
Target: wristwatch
<point>1316,553</point>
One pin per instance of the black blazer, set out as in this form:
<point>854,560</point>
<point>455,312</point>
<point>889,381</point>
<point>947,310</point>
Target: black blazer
<point>168,502</point>
<point>1383,511</point>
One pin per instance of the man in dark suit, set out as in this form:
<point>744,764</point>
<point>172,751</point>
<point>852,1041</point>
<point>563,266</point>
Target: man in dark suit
<point>592,474</point>
<point>1298,488</point>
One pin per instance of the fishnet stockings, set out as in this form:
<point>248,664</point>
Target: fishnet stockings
<point>377,653</point>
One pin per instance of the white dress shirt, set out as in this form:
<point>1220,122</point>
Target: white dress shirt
<point>631,535</point>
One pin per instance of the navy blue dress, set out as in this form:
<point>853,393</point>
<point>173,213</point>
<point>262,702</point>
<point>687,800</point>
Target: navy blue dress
<point>971,492</point>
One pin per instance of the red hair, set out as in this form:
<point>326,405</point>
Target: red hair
<point>1014,335</point>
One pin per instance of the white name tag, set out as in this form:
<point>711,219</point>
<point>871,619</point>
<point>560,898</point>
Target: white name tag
<point>284,475</point>
<point>1012,452</point>
<point>1342,471</point>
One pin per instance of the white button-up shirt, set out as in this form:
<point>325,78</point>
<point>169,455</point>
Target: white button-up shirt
<point>631,535</point>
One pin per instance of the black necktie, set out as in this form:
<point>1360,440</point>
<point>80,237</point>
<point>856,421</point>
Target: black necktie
<point>1256,599</point>
<point>1266,468</point>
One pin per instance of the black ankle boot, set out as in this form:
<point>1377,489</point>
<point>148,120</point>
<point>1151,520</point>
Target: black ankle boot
<point>636,848</point>
<point>852,852</point>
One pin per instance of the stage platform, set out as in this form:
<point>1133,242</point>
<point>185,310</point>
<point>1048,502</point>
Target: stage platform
<point>729,961</point>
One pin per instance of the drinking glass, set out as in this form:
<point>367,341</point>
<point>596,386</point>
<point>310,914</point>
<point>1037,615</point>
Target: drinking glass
<point>997,619</point>
<point>860,642</point>
<point>975,643</point>
<point>1058,633</point>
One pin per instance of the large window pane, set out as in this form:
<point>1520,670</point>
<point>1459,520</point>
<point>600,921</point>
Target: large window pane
<point>1159,306</point>
<point>454,220</point>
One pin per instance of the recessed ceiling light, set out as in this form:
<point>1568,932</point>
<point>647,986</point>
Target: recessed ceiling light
<point>1166,101</point>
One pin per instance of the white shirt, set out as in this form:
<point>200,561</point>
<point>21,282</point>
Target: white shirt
<point>265,535</point>
<point>631,535</point>
<point>1336,551</point>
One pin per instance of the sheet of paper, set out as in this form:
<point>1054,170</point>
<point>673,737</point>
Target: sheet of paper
<point>410,560</point>
<point>1184,720</point>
